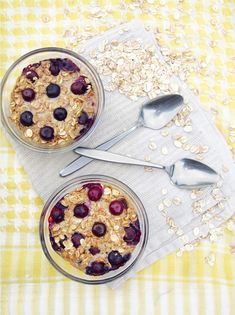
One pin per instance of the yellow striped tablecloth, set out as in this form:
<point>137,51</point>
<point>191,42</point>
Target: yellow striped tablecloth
<point>173,285</point>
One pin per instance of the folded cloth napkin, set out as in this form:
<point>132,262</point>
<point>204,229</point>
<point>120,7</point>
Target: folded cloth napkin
<point>176,217</point>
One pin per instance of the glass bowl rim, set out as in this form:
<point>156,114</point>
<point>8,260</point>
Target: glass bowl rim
<point>101,100</point>
<point>78,180</point>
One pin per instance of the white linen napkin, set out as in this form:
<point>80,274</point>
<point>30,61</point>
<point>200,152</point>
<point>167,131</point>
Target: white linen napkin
<point>120,113</point>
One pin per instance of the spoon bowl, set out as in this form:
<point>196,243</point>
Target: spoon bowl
<point>189,173</point>
<point>157,113</point>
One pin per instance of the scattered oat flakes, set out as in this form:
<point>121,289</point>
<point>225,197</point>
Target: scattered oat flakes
<point>179,253</point>
<point>167,202</point>
<point>164,133</point>
<point>164,150</point>
<point>176,201</point>
<point>210,259</point>
<point>189,247</point>
<point>225,169</point>
<point>161,207</point>
<point>196,231</point>
<point>148,169</point>
<point>147,158</point>
<point>152,146</point>
<point>164,191</point>
<point>188,128</point>
<point>177,143</point>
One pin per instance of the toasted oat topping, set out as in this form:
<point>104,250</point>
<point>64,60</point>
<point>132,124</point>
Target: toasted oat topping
<point>53,102</point>
<point>95,227</point>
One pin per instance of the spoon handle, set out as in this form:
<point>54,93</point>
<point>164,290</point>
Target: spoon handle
<point>115,158</point>
<point>82,161</point>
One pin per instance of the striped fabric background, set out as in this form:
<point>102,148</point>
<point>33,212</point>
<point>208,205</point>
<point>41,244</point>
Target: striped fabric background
<point>173,285</point>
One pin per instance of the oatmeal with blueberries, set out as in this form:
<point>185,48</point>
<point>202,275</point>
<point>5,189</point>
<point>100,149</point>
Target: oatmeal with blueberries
<point>95,228</point>
<point>53,102</point>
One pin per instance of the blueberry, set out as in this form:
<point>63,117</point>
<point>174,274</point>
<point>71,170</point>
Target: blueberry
<point>60,113</point>
<point>94,250</point>
<point>53,90</point>
<point>28,95</point>
<point>81,210</point>
<point>54,245</point>
<point>83,118</point>
<point>57,215</point>
<point>69,65</point>
<point>90,185</point>
<point>47,133</point>
<point>26,118</point>
<point>115,258</point>
<point>61,242</point>
<point>95,192</point>
<point>132,233</point>
<point>87,126</point>
<point>97,268</point>
<point>126,257</point>
<point>76,238</point>
<point>79,87</point>
<point>59,205</point>
<point>54,67</point>
<point>29,67</point>
<point>116,207</point>
<point>99,229</point>
<point>31,75</point>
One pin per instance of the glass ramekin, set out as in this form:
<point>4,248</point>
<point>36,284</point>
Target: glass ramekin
<point>64,266</point>
<point>8,83</point>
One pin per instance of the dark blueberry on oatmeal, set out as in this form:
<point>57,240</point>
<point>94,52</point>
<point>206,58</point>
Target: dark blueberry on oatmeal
<point>54,245</point>
<point>81,210</point>
<point>95,192</point>
<point>68,65</point>
<point>26,118</point>
<point>97,268</point>
<point>94,250</point>
<point>32,75</point>
<point>54,67</point>
<point>79,87</point>
<point>76,239</point>
<point>61,242</point>
<point>28,94</point>
<point>115,258</point>
<point>57,215</point>
<point>116,207</point>
<point>126,257</point>
<point>31,67</point>
<point>99,229</point>
<point>90,185</point>
<point>53,90</point>
<point>89,123</point>
<point>60,206</point>
<point>136,224</point>
<point>132,235</point>
<point>60,113</point>
<point>47,133</point>
<point>83,118</point>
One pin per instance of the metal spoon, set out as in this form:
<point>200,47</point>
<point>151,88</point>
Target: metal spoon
<point>154,114</point>
<point>185,173</point>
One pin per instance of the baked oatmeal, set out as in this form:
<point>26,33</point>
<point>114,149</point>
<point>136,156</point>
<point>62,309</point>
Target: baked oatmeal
<point>53,102</point>
<point>95,228</point>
